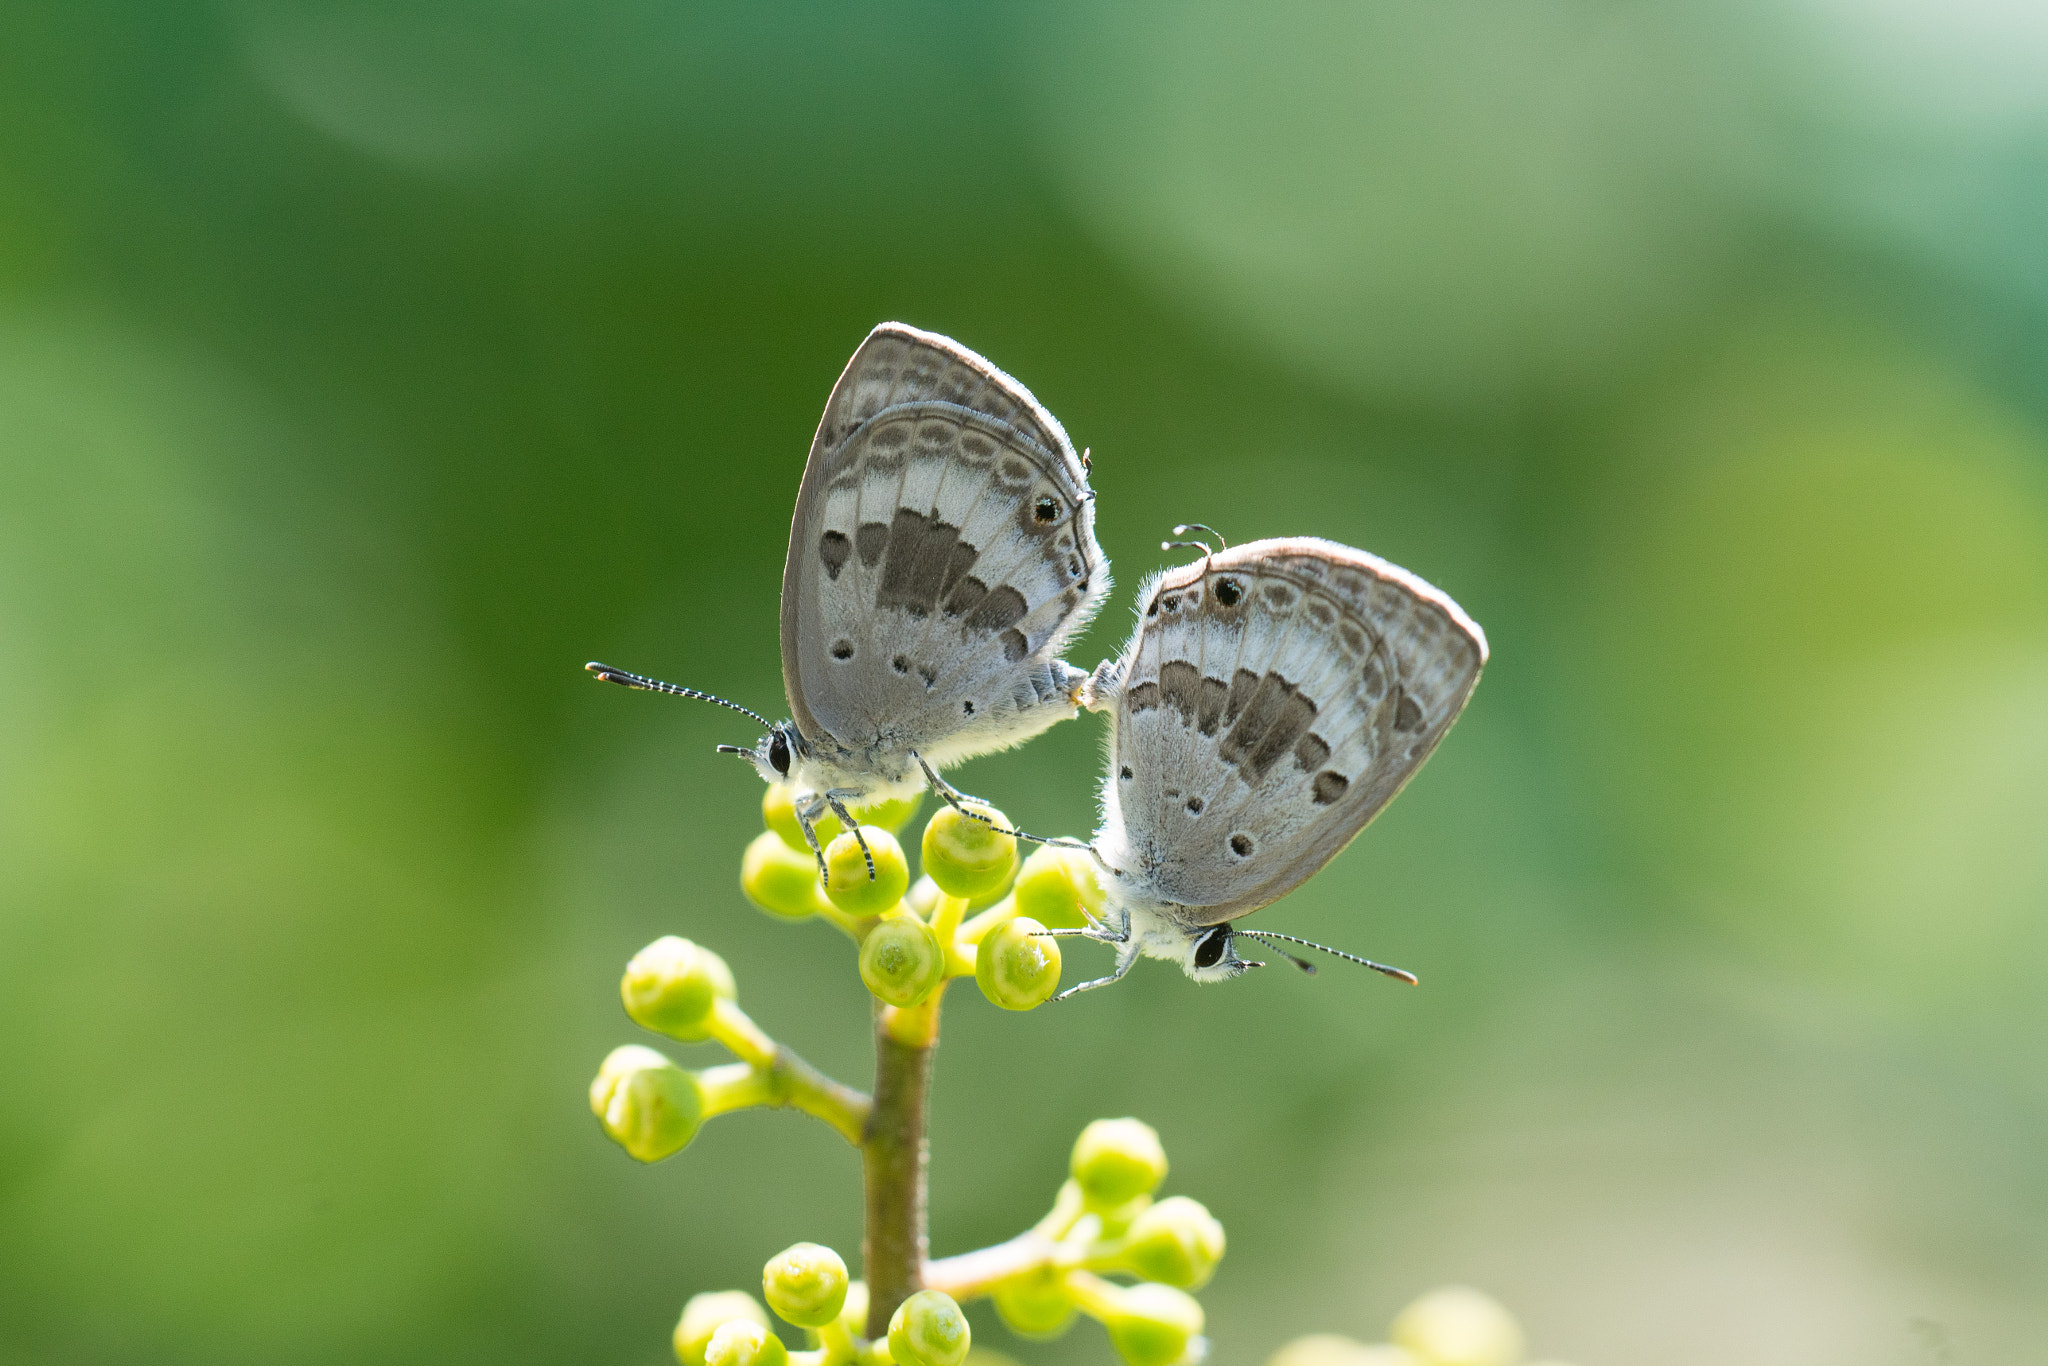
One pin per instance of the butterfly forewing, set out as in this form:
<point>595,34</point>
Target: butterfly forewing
<point>1275,698</point>
<point>941,552</point>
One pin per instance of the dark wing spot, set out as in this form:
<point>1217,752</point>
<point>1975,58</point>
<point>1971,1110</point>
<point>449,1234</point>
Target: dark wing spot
<point>1045,510</point>
<point>1143,697</point>
<point>842,649</point>
<point>1210,713</point>
<point>929,675</point>
<point>1279,595</point>
<point>1242,685</point>
<point>1194,806</point>
<point>1228,592</point>
<point>1015,471</point>
<point>900,664</point>
<point>871,540</point>
<point>922,551</point>
<point>1180,684</point>
<point>1015,647</point>
<point>967,708</point>
<point>834,549</point>
<point>966,595</point>
<point>1124,773</point>
<point>1276,716</point>
<point>1171,604</point>
<point>1330,785</point>
<point>1003,608</point>
<point>1407,714</point>
<point>1241,845</point>
<point>1153,610</point>
<point>1310,752</point>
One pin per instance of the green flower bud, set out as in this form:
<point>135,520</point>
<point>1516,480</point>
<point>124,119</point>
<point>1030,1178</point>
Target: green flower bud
<point>779,880</point>
<point>1458,1326</point>
<point>670,985</point>
<point>706,1314</point>
<point>806,1285</point>
<point>890,815</point>
<point>648,1105</point>
<point>1331,1349</point>
<point>967,857</point>
<point>853,1315</point>
<point>901,960</point>
<point>928,1329</point>
<point>778,811</point>
<point>1058,887</point>
<point>1156,1325</point>
<point>1015,966</point>
<point>740,1343</point>
<point>1035,1306</point>
<point>1176,1241</point>
<point>846,872</point>
<point>1118,1160</point>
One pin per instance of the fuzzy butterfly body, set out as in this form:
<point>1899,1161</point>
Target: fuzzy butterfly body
<point>1273,699</point>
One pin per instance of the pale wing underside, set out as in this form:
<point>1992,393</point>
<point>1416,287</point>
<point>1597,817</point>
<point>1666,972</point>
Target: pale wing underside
<point>1272,701</point>
<point>942,551</point>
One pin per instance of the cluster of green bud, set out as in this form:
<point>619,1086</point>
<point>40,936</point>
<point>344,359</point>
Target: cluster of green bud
<point>976,910</point>
<point>1107,1223</point>
<point>1451,1326</point>
<point>1109,1250</point>
<point>808,1287</point>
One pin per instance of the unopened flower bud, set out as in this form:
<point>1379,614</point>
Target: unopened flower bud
<point>846,872</point>
<point>1459,1326</point>
<point>853,1315</point>
<point>928,1329</point>
<point>670,985</point>
<point>1015,966</point>
<point>740,1343</point>
<point>778,812</point>
<point>890,815</point>
<point>778,879</point>
<point>1117,1160</point>
<point>1332,1349</point>
<point>648,1105</point>
<point>706,1314</point>
<point>1035,1305</point>
<point>806,1284</point>
<point>1058,887</point>
<point>1176,1241</point>
<point>901,960</point>
<point>966,856</point>
<point>1156,1325</point>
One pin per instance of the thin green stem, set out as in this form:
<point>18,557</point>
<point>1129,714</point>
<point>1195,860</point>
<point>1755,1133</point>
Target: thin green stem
<point>894,1161</point>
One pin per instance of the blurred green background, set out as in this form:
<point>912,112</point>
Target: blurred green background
<point>368,365</point>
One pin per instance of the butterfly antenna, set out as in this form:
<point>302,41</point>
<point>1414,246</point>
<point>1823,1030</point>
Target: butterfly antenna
<point>1192,527</point>
<point>1208,551</point>
<point>641,681</point>
<point>1263,935</point>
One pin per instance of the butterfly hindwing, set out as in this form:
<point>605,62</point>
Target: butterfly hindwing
<point>942,551</point>
<point>1275,697</point>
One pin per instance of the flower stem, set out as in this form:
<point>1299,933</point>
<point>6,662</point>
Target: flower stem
<point>894,1157</point>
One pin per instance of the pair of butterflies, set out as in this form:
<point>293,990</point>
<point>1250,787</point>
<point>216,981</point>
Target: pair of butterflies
<point>1272,700</point>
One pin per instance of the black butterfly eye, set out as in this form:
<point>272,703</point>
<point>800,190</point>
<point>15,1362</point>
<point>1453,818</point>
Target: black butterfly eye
<point>1228,592</point>
<point>1209,952</point>
<point>778,754</point>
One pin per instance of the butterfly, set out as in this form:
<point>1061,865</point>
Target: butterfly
<point>941,554</point>
<point>1272,700</point>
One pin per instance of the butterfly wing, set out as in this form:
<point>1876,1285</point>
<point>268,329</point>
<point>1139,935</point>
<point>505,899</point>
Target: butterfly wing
<point>942,551</point>
<point>1274,698</point>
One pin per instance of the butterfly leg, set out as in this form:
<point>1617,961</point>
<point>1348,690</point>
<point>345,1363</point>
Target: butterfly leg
<point>1126,955</point>
<point>807,809</point>
<point>954,798</point>
<point>846,819</point>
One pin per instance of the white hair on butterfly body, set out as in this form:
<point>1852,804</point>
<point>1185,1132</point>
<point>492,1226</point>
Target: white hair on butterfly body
<point>941,554</point>
<point>1272,700</point>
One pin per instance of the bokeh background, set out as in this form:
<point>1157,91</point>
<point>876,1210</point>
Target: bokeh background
<point>367,365</point>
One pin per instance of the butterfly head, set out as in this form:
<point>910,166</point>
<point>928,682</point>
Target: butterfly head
<point>1210,955</point>
<point>774,754</point>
